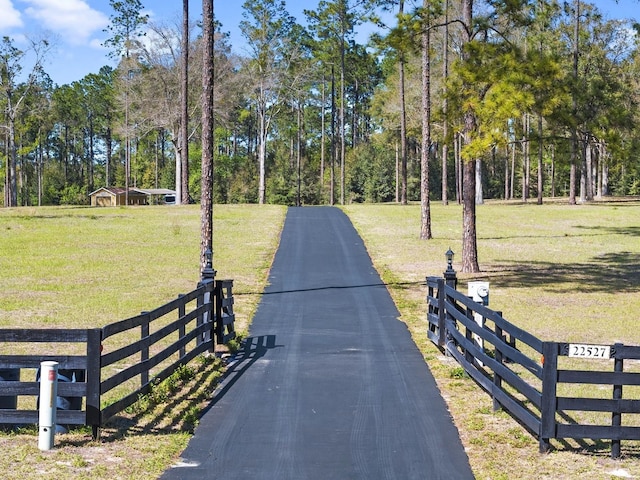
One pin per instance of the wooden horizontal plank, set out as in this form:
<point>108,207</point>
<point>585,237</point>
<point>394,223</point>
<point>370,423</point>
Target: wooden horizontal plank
<point>71,417</point>
<point>451,310</point>
<point>598,378</point>
<point>65,389</point>
<point>30,417</point>
<point>175,304</point>
<point>599,405</point>
<point>19,417</point>
<point>627,352</point>
<point>433,319</point>
<point>19,388</point>
<point>34,361</point>
<point>597,432</point>
<point>124,325</point>
<point>45,335</point>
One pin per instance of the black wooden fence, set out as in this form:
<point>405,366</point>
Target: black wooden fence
<point>118,362</point>
<point>524,375</point>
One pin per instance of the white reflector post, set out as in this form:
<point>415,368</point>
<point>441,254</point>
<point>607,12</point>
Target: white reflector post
<point>48,404</point>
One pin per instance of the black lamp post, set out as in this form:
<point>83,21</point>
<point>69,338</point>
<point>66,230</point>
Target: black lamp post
<point>450,278</point>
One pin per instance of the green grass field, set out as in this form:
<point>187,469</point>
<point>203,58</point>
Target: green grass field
<point>88,267</point>
<point>564,273</point>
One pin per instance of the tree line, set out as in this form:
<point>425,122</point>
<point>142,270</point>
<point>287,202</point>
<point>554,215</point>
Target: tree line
<point>461,100</point>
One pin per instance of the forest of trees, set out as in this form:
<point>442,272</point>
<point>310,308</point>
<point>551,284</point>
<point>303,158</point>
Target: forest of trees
<point>531,98</point>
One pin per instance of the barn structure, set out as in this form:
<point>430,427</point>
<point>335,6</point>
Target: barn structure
<point>116,196</point>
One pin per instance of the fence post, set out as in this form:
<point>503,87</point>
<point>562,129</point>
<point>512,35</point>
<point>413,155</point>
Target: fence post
<point>219,322</point>
<point>182,330</point>
<point>497,379</point>
<point>451,281</point>
<point>430,307</point>
<point>93,378</point>
<point>549,395</point>
<point>144,351</point>
<point>616,417</point>
<point>208,275</point>
<point>441,314</point>
<point>468,334</point>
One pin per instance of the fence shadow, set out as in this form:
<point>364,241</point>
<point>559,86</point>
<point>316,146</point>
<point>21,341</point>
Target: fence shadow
<point>145,423</point>
<point>170,418</point>
<point>253,349</point>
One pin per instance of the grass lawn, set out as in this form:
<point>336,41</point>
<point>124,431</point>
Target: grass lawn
<point>563,273</point>
<point>88,267</point>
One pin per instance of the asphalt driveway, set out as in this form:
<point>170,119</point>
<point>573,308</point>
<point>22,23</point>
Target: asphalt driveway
<point>330,384</point>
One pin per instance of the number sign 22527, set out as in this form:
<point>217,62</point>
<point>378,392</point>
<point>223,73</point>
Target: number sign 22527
<point>589,351</point>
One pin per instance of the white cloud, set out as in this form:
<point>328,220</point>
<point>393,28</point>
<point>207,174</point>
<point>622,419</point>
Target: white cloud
<point>10,16</point>
<point>74,20</point>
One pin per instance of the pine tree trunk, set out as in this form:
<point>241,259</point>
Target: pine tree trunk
<point>445,106</point>
<point>206,202</point>
<point>322,135</point>
<point>184,117</point>
<point>469,243</point>
<point>403,118</point>
<point>425,210</point>
<point>506,174</point>
<point>540,152</point>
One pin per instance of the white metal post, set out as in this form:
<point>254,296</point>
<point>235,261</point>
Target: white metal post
<point>48,404</point>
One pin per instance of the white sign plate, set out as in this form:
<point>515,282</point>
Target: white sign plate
<point>578,350</point>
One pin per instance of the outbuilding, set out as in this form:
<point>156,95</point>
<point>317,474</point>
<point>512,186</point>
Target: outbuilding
<point>116,196</point>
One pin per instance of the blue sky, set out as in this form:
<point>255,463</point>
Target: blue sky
<point>76,26</point>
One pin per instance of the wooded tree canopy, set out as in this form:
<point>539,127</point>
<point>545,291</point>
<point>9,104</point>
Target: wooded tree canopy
<point>540,97</point>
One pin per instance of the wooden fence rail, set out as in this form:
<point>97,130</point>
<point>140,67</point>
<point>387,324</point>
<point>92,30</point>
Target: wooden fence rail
<point>89,364</point>
<point>113,358</point>
<point>522,373</point>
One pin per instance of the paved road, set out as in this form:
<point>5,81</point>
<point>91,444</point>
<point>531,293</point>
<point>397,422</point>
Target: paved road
<point>330,384</point>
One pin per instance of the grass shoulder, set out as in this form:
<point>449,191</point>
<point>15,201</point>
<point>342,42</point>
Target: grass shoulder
<point>564,273</point>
